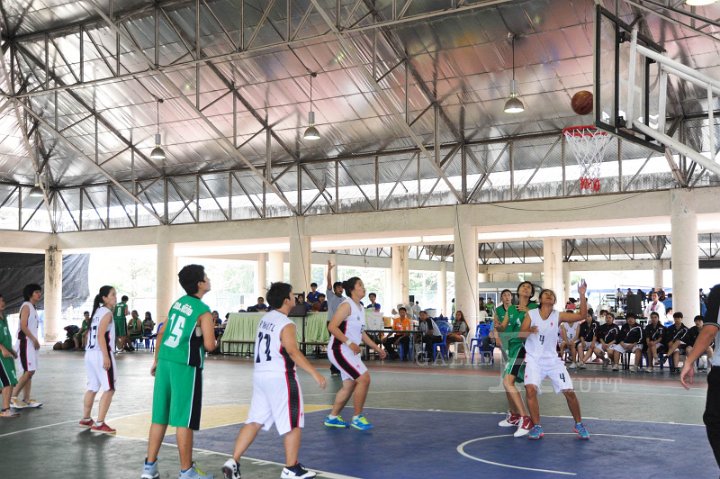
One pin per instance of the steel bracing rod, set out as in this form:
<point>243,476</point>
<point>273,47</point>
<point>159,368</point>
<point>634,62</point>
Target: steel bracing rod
<point>229,85</point>
<point>385,97</point>
<point>107,124</point>
<point>91,161</point>
<point>164,81</point>
<point>148,10</point>
<point>29,150</point>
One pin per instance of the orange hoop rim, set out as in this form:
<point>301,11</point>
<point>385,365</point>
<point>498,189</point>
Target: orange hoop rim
<point>584,130</point>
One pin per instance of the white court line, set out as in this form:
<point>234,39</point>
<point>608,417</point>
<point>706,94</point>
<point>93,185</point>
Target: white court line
<point>461,450</point>
<point>74,421</point>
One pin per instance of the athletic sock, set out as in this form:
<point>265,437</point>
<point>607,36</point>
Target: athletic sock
<point>332,417</point>
<point>355,417</point>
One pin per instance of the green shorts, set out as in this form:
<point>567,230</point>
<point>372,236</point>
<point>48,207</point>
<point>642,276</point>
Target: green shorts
<point>516,364</point>
<point>7,372</point>
<point>177,395</point>
<point>120,328</point>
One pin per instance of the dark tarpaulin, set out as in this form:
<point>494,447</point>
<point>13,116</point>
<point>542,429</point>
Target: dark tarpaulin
<point>19,269</point>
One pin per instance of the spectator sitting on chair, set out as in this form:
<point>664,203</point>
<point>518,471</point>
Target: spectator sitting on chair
<point>606,334</point>
<point>654,334</point>
<point>148,324</point>
<point>674,341</point>
<point>321,304</point>
<point>216,319</point>
<point>314,294</point>
<point>460,330</point>
<point>80,338</point>
<point>630,340</point>
<point>401,323</point>
<point>430,334</point>
<point>587,342</point>
<point>692,335</point>
<point>135,328</point>
<point>71,331</point>
<point>568,335</point>
<point>259,307</point>
<point>373,305</point>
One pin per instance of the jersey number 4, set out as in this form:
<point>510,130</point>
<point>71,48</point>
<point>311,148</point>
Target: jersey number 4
<point>262,337</point>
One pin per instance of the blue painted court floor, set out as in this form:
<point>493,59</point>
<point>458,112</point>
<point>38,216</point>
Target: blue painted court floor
<point>439,444</point>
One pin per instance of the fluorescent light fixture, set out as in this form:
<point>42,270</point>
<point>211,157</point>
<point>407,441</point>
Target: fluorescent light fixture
<point>197,250</point>
<point>438,239</point>
<point>585,232</point>
<point>350,243</point>
<point>699,3</point>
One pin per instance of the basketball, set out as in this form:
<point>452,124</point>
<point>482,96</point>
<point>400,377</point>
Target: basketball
<point>582,102</point>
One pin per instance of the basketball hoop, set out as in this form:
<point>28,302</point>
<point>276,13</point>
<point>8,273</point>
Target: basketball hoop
<point>588,145</point>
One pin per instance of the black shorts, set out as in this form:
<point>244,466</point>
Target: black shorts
<point>519,361</point>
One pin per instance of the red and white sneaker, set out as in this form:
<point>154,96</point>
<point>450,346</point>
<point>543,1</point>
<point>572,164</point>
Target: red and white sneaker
<point>86,422</point>
<point>524,427</point>
<point>512,420</point>
<point>102,428</point>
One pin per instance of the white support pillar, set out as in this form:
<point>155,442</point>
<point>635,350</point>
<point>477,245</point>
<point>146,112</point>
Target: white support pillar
<point>658,274</point>
<point>276,260</point>
<point>52,293</point>
<point>466,271</point>
<point>442,290</point>
<point>553,268</point>
<point>262,282</point>
<point>167,281</point>
<point>400,271</point>
<point>566,283</point>
<point>299,255</point>
<point>683,228</point>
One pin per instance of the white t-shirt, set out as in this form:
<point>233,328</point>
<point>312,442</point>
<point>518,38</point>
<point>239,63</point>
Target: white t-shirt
<point>93,340</point>
<point>659,308</point>
<point>543,344</point>
<point>270,356</point>
<point>571,329</point>
<point>354,323</point>
<point>32,321</point>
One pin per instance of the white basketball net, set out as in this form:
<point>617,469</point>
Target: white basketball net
<point>588,144</point>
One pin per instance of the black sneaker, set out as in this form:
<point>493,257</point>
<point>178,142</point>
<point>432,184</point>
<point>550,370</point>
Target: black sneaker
<point>297,471</point>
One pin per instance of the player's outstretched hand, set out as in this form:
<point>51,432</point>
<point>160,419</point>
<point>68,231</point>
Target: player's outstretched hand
<point>320,380</point>
<point>687,375</point>
<point>582,288</point>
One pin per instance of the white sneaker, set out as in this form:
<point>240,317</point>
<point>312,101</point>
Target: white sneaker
<point>510,420</point>
<point>650,370</point>
<point>231,469</point>
<point>633,369</point>
<point>297,471</point>
<point>572,366</point>
<point>582,366</point>
<point>524,427</point>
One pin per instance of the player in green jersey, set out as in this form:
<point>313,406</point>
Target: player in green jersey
<point>508,320</point>
<point>177,394</point>
<point>120,313</point>
<point>8,377</point>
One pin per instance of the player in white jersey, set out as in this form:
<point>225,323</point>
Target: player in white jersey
<point>541,328</point>
<point>277,397</point>
<point>27,347</point>
<point>100,361</point>
<point>347,330</point>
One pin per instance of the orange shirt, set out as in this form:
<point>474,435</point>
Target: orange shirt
<point>400,324</point>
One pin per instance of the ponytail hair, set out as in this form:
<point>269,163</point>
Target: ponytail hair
<point>349,285</point>
<point>98,301</point>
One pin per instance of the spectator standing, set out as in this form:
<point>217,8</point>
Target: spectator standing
<point>655,306</point>
<point>334,297</point>
<point>8,377</point>
<point>120,318</point>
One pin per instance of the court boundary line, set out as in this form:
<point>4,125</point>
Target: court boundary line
<point>461,450</point>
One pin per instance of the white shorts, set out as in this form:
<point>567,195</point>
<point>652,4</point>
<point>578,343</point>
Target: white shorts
<point>27,355</point>
<point>350,364</point>
<point>620,349</point>
<point>277,399</point>
<point>553,368</point>
<point>586,346</point>
<point>98,379</point>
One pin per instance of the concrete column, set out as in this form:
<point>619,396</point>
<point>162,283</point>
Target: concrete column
<point>442,290</point>
<point>466,271</point>
<point>299,255</point>
<point>400,272</point>
<point>167,280</point>
<point>658,273</point>
<point>276,259</point>
<point>553,269</point>
<point>262,282</point>
<point>683,228</point>
<point>566,282</point>
<point>52,293</point>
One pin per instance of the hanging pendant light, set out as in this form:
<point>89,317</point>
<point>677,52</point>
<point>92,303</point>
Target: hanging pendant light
<point>158,153</point>
<point>36,191</point>
<point>311,133</point>
<point>513,104</point>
